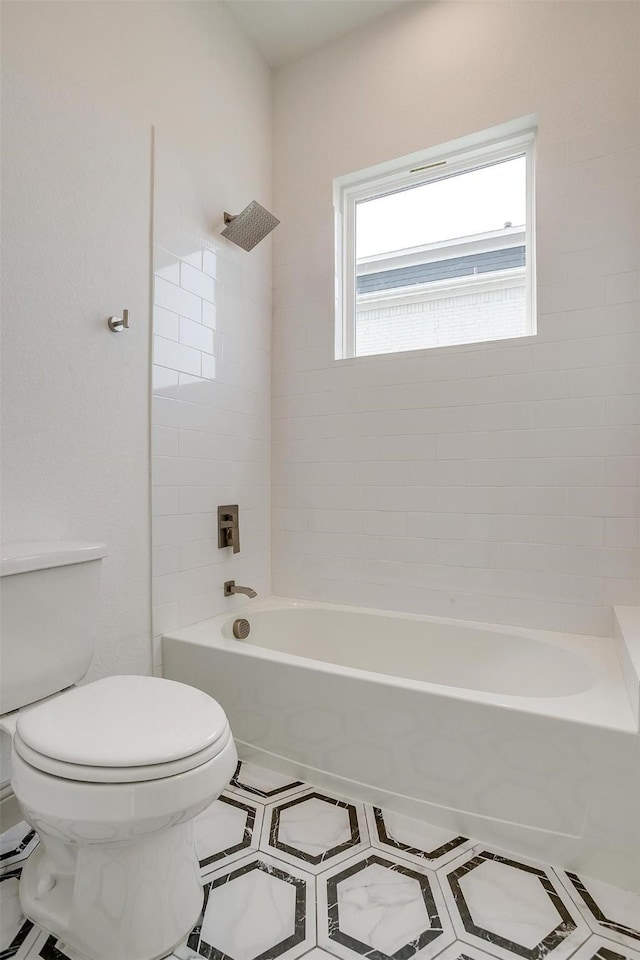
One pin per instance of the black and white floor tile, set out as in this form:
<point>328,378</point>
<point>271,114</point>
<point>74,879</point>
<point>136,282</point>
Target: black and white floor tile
<point>16,844</point>
<point>314,830</point>
<point>609,911</point>
<point>263,785</point>
<point>259,907</point>
<point>598,948</point>
<point>511,908</point>
<point>227,831</point>
<point>292,871</point>
<point>375,907</point>
<point>412,840</point>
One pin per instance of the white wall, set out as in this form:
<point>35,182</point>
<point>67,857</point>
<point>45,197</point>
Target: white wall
<point>211,384</point>
<point>495,482</point>
<point>83,86</point>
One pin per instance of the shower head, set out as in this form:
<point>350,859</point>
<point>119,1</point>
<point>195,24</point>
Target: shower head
<point>249,227</point>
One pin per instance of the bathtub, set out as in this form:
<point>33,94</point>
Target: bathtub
<point>525,739</point>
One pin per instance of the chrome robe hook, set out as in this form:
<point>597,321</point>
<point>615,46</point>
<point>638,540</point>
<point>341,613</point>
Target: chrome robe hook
<point>118,324</point>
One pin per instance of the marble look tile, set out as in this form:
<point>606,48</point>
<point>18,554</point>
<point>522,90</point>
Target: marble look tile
<point>375,907</point>
<point>509,907</point>
<point>39,945</point>
<point>183,952</point>
<point>380,903</point>
<point>463,951</point>
<point>258,908</point>
<point>47,947</point>
<point>226,831</point>
<point>609,911</point>
<point>16,844</point>
<point>263,785</point>
<point>598,948</point>
<point>314,830</point>
<point>413,840</point>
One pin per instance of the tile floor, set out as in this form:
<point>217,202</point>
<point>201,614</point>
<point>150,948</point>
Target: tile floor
<point>289,871</point>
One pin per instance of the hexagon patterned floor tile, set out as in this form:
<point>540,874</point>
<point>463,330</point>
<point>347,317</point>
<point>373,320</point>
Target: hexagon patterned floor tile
<point>609,911</point>
<point>314,830</point>
<point>317,954</point>
<point>16,844</point>
<point>511,908</point>
<point>388,888</point>
<point>463,951</point>
<point>47,947</point>
<point>413,840</point>
<point>227,830</point>
<point>257,908</point>
<point>382,909</point>
<point>598,948</point>
<point>262,785</point>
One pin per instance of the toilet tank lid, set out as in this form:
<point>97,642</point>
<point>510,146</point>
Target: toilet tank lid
<point>40,555</point>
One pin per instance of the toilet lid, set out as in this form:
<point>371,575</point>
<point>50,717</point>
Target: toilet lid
<point>113,775</point>
<point>124,722</point>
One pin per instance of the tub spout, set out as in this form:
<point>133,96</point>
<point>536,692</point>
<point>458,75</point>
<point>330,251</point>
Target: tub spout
<point>230,589</point>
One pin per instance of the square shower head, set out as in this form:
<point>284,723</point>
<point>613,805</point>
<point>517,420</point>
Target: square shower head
<point>249,227</point>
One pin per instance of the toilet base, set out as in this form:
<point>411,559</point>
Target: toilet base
<point>122,901</point>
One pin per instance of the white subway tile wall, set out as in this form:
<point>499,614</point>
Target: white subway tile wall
<point>210,419</point>
<point>495,481</point>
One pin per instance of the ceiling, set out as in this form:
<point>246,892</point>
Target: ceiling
<point>283,30</point>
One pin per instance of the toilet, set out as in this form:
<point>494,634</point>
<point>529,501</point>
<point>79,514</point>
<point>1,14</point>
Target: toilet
<point>111,773</point>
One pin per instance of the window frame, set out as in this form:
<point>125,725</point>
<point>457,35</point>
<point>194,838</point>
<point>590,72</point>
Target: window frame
<point>507,141</point>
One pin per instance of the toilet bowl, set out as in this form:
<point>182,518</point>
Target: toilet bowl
<point>111,775</point>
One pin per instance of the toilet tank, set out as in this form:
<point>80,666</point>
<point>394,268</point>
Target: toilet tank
<point>48,617</point>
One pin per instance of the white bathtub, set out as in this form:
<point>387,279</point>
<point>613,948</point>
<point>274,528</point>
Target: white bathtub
<point>521,738</point>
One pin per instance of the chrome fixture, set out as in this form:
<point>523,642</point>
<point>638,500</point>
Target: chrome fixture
<point>230,590</point>
<point>118,324</point>
<point>248,228</point>
<point>228,527</point>
<point>241,629</point>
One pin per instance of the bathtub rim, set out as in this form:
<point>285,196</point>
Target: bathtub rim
<point>627,641</point>
<point>613,691</point>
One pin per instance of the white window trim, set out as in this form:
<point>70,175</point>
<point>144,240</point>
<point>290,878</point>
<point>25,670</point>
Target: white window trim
<point>499,143</point>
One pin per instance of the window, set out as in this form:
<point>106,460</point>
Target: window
<point>437,249</point>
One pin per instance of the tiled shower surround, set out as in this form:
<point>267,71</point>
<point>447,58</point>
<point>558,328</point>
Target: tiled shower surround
<point>496,482</point>
<point>292,871</point>
<point>211,402</point>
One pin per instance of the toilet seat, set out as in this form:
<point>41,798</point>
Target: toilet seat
<point>134,774</point>
<point>122,730</point>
